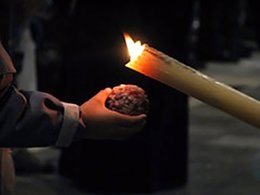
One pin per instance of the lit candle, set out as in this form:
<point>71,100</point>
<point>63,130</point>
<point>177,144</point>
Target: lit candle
<point>167,70</point>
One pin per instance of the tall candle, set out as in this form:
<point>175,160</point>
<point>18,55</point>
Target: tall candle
<point>175,74</point>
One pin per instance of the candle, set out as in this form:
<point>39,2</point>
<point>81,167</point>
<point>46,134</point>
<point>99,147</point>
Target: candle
<point>171,72</point>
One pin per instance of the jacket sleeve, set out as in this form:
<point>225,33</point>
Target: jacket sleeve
<point>34,119</point>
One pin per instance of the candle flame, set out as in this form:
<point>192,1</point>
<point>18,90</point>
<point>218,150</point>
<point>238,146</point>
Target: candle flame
<point>134,48</point>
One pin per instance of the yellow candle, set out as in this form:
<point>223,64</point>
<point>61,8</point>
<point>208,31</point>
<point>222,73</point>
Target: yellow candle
<point>175,74</point>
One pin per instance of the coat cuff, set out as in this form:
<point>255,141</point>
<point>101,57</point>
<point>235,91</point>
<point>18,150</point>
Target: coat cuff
<point>69,125</point>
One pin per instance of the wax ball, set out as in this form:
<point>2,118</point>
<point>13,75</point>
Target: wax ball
<point>128,99</point>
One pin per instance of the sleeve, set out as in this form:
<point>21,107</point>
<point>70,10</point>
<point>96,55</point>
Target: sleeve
<point>35,119</point>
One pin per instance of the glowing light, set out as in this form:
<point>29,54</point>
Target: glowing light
<point>134,48</point>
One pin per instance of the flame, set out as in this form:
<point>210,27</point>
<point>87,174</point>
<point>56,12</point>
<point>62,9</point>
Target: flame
<point>134,48</point>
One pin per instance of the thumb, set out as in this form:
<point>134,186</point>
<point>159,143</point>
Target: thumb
<point>102,94</point>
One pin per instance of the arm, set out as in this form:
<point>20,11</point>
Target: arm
<point>29,119</point>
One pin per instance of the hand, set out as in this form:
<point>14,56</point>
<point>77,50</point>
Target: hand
<point>102,123</point>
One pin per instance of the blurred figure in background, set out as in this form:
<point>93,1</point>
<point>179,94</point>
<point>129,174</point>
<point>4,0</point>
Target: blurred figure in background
<point>222,31</point>
<point>22,48</point>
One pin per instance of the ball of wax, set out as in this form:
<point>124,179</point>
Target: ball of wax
<point>128,99</point>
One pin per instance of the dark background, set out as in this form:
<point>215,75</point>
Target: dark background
<point>81,49</point>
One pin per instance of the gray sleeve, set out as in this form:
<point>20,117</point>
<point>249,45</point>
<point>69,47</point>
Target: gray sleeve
<point>34,119</point>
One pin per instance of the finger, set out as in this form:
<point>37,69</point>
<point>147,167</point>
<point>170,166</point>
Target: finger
<point>102,94</point>
<point>128,121</point>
